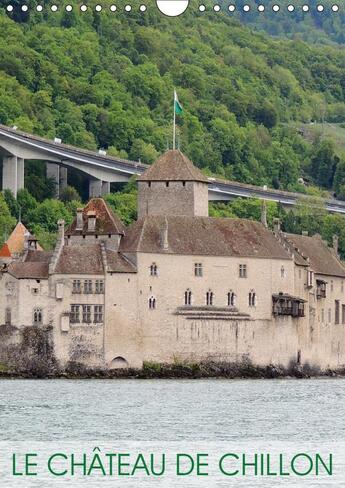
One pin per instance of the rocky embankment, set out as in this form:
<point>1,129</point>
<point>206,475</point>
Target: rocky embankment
<point>152,370</point>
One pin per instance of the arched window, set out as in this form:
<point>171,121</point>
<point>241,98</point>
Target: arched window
<point>209,298</point>
<point>188,297</point>
<point>231,299</point>
<point>152,303</point>
<point>282,272</point>
<point>252,298</point>
<point>154,269</point>
<point>37,316</point>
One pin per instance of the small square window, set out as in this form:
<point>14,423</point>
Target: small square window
<point>243,271</point>
<point>198,270</point>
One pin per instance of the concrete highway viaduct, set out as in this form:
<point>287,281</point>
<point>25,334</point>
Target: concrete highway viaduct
<point>16,147</point>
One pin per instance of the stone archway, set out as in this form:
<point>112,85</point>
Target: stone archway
<point>119,363</point>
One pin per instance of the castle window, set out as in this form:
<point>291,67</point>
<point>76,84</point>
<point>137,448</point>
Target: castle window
<point>332,285</point>
<point>149,184</point>
<point>242,271</point>
<point>310,279</point>
<point>337,312</point>
<point>37,318</point>
<point>74,315</point>
<point>252,298</point>
<point>99,286</point>
<point>87,286</point>
<point>323,315</point>
<point>198,269</point>
<point>76,286</point>
<point>231,299</point>
<point>8,316</point>
<point>342,287</point>
<point>209,298</point>
<point>329,315</point>
<point>188,297</point>
<point>167,184</point>
<point>86,314</point>
<point>154,269</point>
<point>98,314</point>
<point>183,183</point>
<point>343,314</point>
<point>152,303</point>
<point>282,272</point>
<point>321,288</point>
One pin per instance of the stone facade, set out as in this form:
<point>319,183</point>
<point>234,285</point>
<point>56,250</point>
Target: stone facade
<point>174,286</point>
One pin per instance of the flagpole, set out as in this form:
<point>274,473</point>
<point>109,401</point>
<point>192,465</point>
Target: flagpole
<point>174,123</point>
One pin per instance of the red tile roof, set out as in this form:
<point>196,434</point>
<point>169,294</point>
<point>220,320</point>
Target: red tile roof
<point>107,222</point>
<point>5,252</point>
<point>15,243</point>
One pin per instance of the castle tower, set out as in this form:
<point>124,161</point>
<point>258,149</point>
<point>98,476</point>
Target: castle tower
<point>172,186</point>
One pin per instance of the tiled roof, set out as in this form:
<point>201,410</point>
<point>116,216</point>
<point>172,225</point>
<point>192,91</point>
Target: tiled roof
<point>80,260</point>
<point>322,259</point>
<point>173,165</point>
<point>4,251</point>
<point>29,270</point>
<point>15,243</point>
<point>117,263</point>
<point>38,256</point>
<point>107,222</point>
<point>203,236</point>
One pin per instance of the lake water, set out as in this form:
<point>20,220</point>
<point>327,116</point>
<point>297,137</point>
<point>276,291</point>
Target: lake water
<point>212,417</point>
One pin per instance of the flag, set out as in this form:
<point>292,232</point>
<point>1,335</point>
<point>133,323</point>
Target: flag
<point>177,106</point>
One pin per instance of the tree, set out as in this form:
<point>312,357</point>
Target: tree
<point>47,214</point>
<point>7,221</point>
<point>324,163</point>
<point>69,194</point>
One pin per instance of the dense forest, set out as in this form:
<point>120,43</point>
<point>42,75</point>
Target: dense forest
<point>314,26</point>
<point>105,80</point>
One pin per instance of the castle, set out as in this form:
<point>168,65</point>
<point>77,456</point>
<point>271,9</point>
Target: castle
<point>174,285</point>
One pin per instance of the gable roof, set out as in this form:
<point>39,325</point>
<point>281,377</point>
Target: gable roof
<point>35,266</point>
<point>203,236</point>
<point>107,222</point>
<point>15,242</point>
<point>173,165</point>
<point>86,259</point>
<point>321,258</point>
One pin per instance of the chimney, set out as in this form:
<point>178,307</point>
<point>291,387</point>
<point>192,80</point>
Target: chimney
<point>336,244</point>
<point>26,240</point>
<point>61,230</point>
<point>164,236</point>
<point>264,213</point>
<point>276,225</point>
<point>305,233</point>
<point>91,221</point>
<point>80,222</point>
<point>32,243</point>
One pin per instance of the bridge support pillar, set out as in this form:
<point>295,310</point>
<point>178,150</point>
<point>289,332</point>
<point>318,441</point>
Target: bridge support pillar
<point>20,174</point>
<point>105,187</point>
<point>53,172</point>
<point>10,174</point>
<point>63,178</point>
<point>95,188</point>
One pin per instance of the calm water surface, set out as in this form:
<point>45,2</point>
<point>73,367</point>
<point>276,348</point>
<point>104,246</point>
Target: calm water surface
<point>218,415</point>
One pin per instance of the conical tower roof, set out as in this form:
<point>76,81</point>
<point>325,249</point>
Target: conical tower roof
<point>173,165</point>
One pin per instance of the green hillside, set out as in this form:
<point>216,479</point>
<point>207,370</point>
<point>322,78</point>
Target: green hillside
<point>106,80</point>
